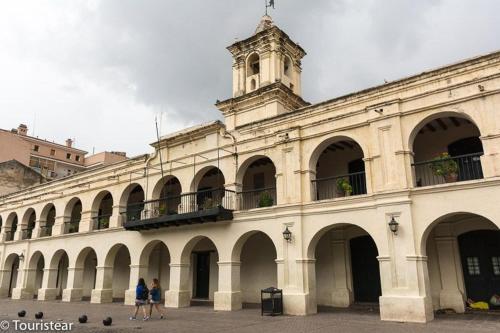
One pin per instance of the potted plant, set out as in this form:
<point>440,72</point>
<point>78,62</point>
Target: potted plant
<point>265,199</point>
<point>343,187</point>
<point>446,167</point>
<point>104,222</point>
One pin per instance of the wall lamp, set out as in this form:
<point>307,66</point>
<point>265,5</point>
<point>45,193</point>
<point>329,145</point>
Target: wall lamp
<point>393,225</point>
<point>21,257</point>
<point>287,235</point>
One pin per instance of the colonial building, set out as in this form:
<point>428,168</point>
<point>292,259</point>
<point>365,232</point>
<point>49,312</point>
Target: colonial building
<point>388,195</point>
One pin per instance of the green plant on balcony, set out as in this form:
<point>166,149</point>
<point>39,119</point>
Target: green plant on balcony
<point>265,199</point>
<point>104,222</point>
<point>343,187</point>
<point>446,167</point>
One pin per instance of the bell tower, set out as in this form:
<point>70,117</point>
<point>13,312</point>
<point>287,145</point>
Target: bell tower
<point>266,76</point>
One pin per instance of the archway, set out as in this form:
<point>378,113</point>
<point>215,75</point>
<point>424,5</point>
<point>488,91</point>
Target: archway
<point>202,256</point>
<point>84,276</point>
<point>118,261</point>
<point>446,148</point>
<point>133,199</point>
<point>73,211</point>
<point>9,275</point>
<point>258,178</point>
<point>167,196</point>
<point>208,188</point>
<point>155,258</point>
<point>10,227</point>
<point>58,273</point>
<point>347,268</point>
<point>35,273</point>
<point>28,224</point>
<point>463,251</point>
<point>339,169</point>
<point>102,210</point>
<point>47,220</point>
<point>258,270</point>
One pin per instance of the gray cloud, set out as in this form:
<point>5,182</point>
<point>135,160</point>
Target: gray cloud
<point>104,69</point>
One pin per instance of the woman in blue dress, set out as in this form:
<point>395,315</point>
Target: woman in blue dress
<point>155,293</point>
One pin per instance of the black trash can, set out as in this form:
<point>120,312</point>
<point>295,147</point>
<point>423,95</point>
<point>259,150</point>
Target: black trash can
<point>271,301</point>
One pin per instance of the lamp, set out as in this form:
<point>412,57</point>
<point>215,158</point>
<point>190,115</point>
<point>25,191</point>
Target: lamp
<point>21,257</point>
<point>394,225</point>
<point>287,234</point>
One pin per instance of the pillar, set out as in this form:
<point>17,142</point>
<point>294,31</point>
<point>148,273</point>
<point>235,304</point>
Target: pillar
<point>86,223</point>
<point>228,296</point>
<point>48,291</point>
<point>73,291</point>
<point>342,295</point>
<point>103,292</point>
<point>116,219</point>
<point>25,284</point>
<point>179,294</point>
<point>59,227</point>
<point>450,297</point>
<point>136,272</point>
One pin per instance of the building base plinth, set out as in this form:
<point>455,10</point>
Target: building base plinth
<point>47,294</point>
<point>298,304</point>
<point>72,295</point>
<point>406,309</point>
<point>22,293</point>
<point>227,301</point>
<point>101,296</point>
<point>342,298</point>
<point>129,297</point>
<point>452,300</point>
<point>177,299</point>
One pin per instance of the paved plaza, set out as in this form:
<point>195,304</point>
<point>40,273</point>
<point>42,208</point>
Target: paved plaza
<point>204,319</point>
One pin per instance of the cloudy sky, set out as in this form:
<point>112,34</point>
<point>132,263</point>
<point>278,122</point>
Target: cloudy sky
<point>100,71</point>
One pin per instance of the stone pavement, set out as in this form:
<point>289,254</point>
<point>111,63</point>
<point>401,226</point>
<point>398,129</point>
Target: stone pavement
<point>204,319</point>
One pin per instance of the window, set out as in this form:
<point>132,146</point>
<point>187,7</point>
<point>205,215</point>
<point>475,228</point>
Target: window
<point>77,158</point>
<point>68,156</point>
<point>36,148</point>
<point>253,65</point>
<point>473,266</point>
<point>52,152</point>
<point>287,67</point>
<point>496,265</point>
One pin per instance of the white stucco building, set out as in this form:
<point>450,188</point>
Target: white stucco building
<point>206,212</point>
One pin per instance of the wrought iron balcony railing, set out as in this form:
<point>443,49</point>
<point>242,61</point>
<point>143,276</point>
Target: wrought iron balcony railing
<point>71,227</point>
<point>448,170</point>
<point>339,186</point>
<point>181,204</point>
<point>9,235</point>
<point>101,222</point>
<point>46,231</point>
<point>258,198</point>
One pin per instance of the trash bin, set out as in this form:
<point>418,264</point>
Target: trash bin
<point>271,301</point>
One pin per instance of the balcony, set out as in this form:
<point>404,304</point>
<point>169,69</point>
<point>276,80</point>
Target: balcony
<point>264,197</point>
<point>190,208</point>
<point>339,186</point>
<point>101,222</point>
<point>447,169</point>
<point>46,231</point>
<point>71,227</point>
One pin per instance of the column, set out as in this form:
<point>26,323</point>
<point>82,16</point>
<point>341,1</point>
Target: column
<point>73,291</point>
<point>48,292</point>
<point>450,297</point>
<point>86,223</point>
<point>116,219</point>
<point>228,296</point>
<point>25,284</point>
<point>179,294</point>
<point>342,295</point>
<point>103,292</point>
<point>136,272</point>
<point>37,230</point>
<point>59,228</point>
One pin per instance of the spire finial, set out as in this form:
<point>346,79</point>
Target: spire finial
<point>269,4</point>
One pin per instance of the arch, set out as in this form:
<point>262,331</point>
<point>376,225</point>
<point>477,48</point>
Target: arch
<point>73,215</point>
<point>208,177</point>
<point>257,177</point>
<point>155,258</point>
<point>146,251</point>
<point>47,219</point>
<point>10,220</point>
<point>131,193</point>
<point>240,242</point>
<point>86,272</point>
<point>46,210</point>
<point>102,210</point>
<point>97,202</point>
<point>253,64</point>
<point>316,153</point>
<point>190,245</point>
<point>9,274</point>
<point>36,266</point>
<point>28,223</point>
<point>68,210</point>
<point>118,257</point>
<point>11,224</point>
<point>443,114</point>
<point>58,273</point>
<point>167,186</point>
<point>82,256</point>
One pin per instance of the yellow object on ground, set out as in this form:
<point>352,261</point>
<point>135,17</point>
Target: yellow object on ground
<point>480,305</point>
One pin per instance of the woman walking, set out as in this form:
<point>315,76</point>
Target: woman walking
<point>155,298</point>
<point>141,299</point>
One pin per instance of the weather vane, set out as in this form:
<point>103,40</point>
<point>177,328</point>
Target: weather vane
<point>269,4</point>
